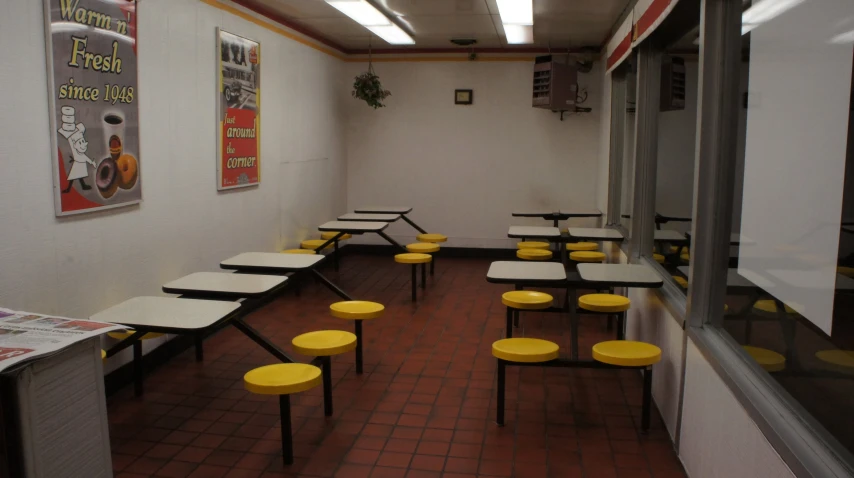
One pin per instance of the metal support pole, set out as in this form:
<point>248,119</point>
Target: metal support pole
<point>432,265</point>
<point>508,329</point>
<point>647,398</point>
<point>358,346</point>
<point>330,285</point>
<point>499,415</point>
<point>390,240</point>
<point>516,312</point>
<point>335,260</point>
<point>424,275</point>
<point>414,281</point>
<point>137,368</point>
<point>287,439</point>
<point>200,351</point>
<point>416,226</point>
<point>326,363</point>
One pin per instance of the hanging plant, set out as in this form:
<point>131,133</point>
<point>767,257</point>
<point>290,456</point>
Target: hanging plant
<point>367,87</point>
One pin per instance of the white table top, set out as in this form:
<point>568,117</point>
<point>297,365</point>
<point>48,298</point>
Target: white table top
<point>167,312</point>
<point>631,275</point>
<point>355,216</point>
<point>669,235</point>
<point>526,271</point>
<point>245,285</point>
<point>383,210</point>
<point>595,233</point>
<point>353,227</point>
<point>570,213</point>
<point>746,279</point>
<point>272,260</point>
<point>533,231</point>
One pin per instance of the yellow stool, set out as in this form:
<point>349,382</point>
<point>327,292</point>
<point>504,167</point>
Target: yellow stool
<point>630,354</point>
<point>533,254</point>
<point>769,360</point>
<point>517,300</point>
<point>103,355</point>
<point>511,351</point>
<point>299,251</point>
<point>425,248</point>
<point>839,358</point>
<point>846,271</point>
<point>609,304</point>
<point>686,257</point>
<point>582,246</point>
<point>659,258</point>
<point>683,282</point>
<point>323,344</point>
<point>283,380</point>
<point>533,245</point>
<point>312,244</point>
<point>768,308</point>
<point>137,366</point>
<point>587,256</point>
<point>434,238</point>
<point>415,258</point>
<point>357,311</point>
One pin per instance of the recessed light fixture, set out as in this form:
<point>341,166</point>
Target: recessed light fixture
<point>369,17</point>
<point>517,16</point>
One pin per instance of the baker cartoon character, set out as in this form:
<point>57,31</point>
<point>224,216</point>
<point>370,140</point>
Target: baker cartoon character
<point>74,133</point>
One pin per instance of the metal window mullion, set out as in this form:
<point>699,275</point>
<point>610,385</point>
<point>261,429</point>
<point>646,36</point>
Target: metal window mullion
<point>618,127</point>
<point>646,149</point>
<point>714,166</point>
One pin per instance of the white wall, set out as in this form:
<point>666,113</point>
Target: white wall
<point>79,265</point>
<point>466,168</point>
<point>718,438</point>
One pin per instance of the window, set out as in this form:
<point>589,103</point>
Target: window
<point>790,283</point>
<point>623,90</point>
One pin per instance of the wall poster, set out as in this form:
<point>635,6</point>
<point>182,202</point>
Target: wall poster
<point>238,111</point>
<point>93,98</point>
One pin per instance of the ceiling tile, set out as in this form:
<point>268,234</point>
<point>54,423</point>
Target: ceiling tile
<point>298,9</point>
<point>467,26</point>
<point>434,7</point>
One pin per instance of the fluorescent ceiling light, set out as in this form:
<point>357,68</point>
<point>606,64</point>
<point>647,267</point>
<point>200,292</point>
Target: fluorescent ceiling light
<point>516,12</point>
<point>392,34</point>
<point>765,10</point>
<point>361,11</point>
<point>519,34</point>
<point>843,38</point>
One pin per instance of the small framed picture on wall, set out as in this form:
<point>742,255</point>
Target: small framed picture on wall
<point>463,97</point>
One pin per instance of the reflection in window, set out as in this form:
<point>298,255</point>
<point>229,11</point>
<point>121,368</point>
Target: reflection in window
<point>627,171</point>
<point>790,285</point>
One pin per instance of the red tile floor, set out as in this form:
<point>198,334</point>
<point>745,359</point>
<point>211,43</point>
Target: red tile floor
<point>424,407</point>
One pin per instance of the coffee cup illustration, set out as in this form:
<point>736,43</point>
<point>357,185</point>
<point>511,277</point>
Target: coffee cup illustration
<point>114,133</point>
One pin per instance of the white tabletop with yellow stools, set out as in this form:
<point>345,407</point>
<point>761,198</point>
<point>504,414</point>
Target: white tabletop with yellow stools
<point>276,264</point>
<point>403,211</point>
<point>366,217</point>
<point>425,248</point>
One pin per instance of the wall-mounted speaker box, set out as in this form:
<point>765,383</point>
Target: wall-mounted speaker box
<point>672,84</point>
<point>555,85</point>
<point>53,416</point>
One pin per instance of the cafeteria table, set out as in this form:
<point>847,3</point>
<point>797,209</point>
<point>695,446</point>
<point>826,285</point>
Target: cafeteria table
<point>597,234</point>
<point>167,315</point>
<point>402,210</point>
<point>275,263</point>
<point>356,228</point>
<point>364,217</point>
<point>551,234</point>
<point>604,276</point>
<point>670,236</point>
<point>556,216</point>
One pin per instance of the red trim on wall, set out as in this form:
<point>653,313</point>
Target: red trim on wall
<point>266,12</point>
<point>620,51</point>
<point>651,14</point>
<point>394,51</point>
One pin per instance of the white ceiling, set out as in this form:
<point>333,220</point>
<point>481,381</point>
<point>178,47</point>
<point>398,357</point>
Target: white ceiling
<point>433,23</point>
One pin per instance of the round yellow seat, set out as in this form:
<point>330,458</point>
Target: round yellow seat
<point>312,244</point>
<point>534,254</point>
<point>413,258</point>
<point>527,299</point>
<point>282,379</point>
<point>356,310</point>
<point>331,235</point>
<point>299,251</point>
<point>769,360</point>
<point>604,303</point>
<point>769,306</point>
<point>686,257</point>
<point>525,350</point>
<point>841,358</point>
<point>431,238</point>
<point>587,256</point>
<point>659,258</point>
<point>103,354</point>
<point>123,335</point>
<point>582,246</point>
<point>532,245</point>
<point>683,282</point>
<point>846,271</point>
<point>675,249</point>
<point>422,247</point>
<point>626,353</point>
<point>324,343</point>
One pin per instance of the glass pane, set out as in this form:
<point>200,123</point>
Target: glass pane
<point>627,176</point>
<point>790,292</point>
